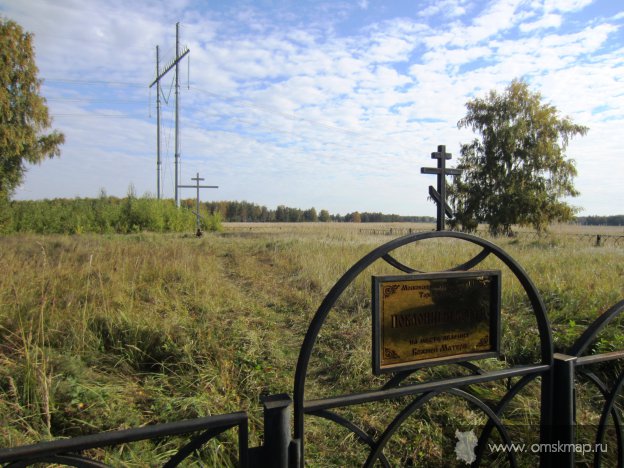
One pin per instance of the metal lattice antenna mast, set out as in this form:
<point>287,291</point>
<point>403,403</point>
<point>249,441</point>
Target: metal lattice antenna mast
<point>177,112</point>
<point>158,161</point>
<point>159,74</point>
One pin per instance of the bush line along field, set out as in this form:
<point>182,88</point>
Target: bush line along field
<point>116,331</point>
<point>131,214</point>
<point>104,215</point>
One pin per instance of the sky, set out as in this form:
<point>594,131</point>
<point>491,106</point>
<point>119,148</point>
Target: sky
<point>328,104</point>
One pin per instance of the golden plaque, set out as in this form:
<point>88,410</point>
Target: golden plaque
<point>435,318</point>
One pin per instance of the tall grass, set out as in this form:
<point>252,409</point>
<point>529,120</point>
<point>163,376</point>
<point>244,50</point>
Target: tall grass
<point>114,331</point>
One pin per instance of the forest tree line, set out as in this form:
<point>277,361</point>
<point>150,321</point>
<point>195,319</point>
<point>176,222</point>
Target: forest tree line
<point>616,220</point>
<point>243,211</point>
<point>135,214</point>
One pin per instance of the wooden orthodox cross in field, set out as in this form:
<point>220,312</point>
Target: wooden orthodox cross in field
<point>439,196</point>
<point>197,186</point>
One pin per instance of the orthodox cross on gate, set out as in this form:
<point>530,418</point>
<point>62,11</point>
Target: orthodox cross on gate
<point>439,196</point>
<point>197,186</point>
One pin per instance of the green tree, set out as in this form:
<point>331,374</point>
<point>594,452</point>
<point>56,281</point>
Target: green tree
<point>354,217</point>
<point>23,112</point>
<point>517,172</point>
<point>324,216</point>
<point>281,214</point>
<point>310,215</point>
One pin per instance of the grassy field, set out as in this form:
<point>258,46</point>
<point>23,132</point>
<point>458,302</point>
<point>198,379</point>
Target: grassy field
<point>115,331</point>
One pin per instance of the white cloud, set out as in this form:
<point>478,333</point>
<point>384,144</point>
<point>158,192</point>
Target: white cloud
<point>567,6</point>
<point>293,103</point>
<point>389,49</point>
<point>499,16</point>
<point>448,8</point>
<point>547,21</point>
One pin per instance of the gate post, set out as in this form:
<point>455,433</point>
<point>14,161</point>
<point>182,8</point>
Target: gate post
<point>564,411</point>
<point>276,430</point>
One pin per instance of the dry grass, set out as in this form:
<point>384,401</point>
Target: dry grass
<point>105,332</point>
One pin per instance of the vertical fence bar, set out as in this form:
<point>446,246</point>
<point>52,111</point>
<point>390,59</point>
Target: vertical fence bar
<point>243,444</point>
<point>546,413</point>
<point>276,430</point>
<point>564,424</point>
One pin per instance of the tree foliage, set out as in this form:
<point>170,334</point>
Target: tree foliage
<point>23,112</point>
<point>516,172</point>
<point>105,215</point>
<point>133,214</point>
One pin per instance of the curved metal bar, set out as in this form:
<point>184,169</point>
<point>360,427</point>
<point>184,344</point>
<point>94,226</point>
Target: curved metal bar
<point>474,261</point>
<point>395,424</point>
<point>194,444</point>
<point>581,344</point>
<point>397,379</point>
<point>539,309</point>
<point>398,265</point>
<point>614,414</point>
<point>502,404</point>
<point>363,436</point>
<point>67,460</point>
<point>476,370</point>
<point>416,404</point>
<point>492,417</point>
<point>608,407</point>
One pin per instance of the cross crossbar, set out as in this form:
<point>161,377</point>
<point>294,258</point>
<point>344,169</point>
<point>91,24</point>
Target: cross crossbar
<point>443,171</point>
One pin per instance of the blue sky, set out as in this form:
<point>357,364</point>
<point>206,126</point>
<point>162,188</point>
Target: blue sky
<point>334,105</point>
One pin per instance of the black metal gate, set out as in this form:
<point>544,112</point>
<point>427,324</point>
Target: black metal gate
<point>423,392</point>
<point>558,374</point>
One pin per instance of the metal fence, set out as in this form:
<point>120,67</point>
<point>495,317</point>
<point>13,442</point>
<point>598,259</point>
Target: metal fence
<point>70,452</point>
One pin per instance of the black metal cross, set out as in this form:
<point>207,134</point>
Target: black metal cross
<point>439,196</point>
<point>197,186</point>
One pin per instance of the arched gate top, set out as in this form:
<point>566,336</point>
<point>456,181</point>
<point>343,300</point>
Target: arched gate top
<point>383,252</point>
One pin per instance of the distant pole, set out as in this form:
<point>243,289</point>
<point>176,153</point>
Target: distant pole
<point>197,179</point>
<point>158,162</point>
<point>177,110</point>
